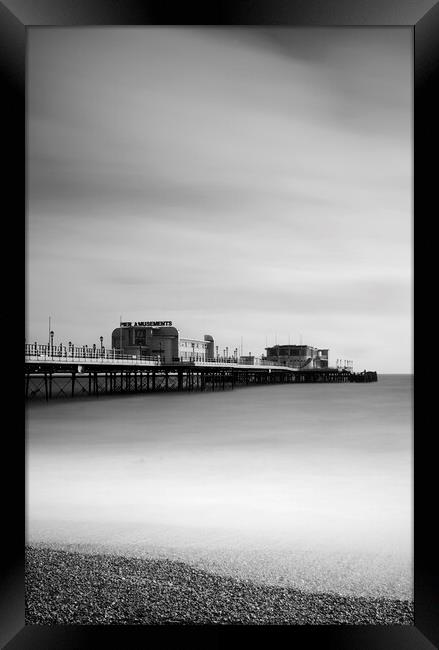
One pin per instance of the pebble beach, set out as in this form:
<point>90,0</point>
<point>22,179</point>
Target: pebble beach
<point>65,588</point>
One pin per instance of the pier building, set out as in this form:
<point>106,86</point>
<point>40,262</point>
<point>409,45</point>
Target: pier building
<point>162,340</point>
<point>298,356</point>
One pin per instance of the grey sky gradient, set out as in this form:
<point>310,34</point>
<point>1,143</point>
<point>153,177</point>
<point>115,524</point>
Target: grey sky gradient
<point>240,181</point>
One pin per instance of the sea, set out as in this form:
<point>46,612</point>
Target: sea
<point>309,485</point>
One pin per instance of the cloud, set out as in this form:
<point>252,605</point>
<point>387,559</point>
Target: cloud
<point>224,170</point>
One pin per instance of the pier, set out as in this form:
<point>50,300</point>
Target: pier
<point>50,373</point>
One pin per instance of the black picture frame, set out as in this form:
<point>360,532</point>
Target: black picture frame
<point>15,17</point>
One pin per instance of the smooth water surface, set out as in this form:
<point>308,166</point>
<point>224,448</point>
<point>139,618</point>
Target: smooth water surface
<point>303,484</point>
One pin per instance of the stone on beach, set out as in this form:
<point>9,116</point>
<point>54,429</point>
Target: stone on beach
<point>74,588</point>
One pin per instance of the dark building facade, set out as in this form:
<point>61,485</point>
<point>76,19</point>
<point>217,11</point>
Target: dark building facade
<point>298,356</point>
<point>160,339</point>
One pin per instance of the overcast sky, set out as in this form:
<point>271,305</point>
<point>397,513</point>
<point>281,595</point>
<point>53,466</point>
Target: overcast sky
<point>237,181</point>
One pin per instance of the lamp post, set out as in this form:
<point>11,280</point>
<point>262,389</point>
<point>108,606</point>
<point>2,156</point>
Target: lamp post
<point>101,338</point>
<point>51,341</point>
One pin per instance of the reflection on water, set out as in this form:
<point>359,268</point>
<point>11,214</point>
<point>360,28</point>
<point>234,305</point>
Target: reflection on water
<point>285,482</point>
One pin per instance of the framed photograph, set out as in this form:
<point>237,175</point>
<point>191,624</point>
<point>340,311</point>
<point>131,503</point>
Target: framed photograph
<point>219,358</point>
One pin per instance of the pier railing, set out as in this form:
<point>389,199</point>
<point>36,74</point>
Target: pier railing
<point>62,354</point>
<point>84,354</point>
